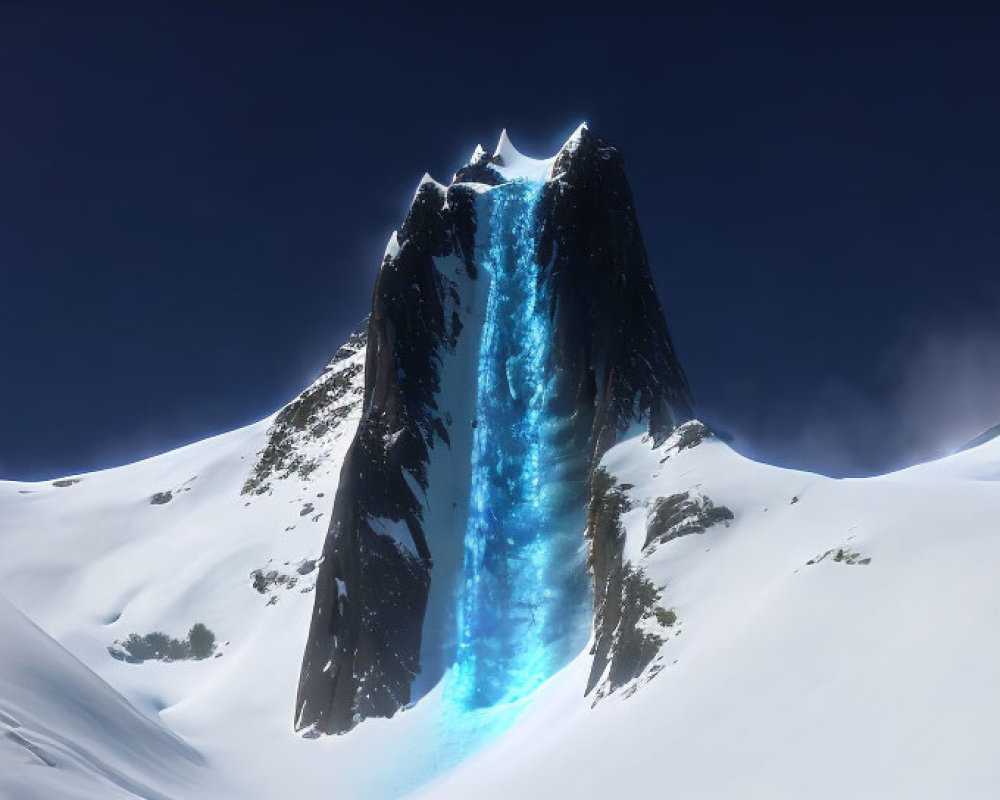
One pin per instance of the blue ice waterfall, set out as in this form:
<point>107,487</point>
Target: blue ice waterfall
<point>522,608</point>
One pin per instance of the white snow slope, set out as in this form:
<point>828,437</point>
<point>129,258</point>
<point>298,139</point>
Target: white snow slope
<point>66,733</point>
<point>779,679</point>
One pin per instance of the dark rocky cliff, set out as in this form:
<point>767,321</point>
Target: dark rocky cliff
<point>614,353</point>
<point>364,641</point>
<point>615,368</point>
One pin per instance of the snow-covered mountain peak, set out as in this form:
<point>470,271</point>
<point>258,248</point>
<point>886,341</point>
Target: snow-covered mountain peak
<point>574,140</point>
<point>514,165</point>
<point>506,447</point>
<point>507,163</point>
<point>429,183</point>
<point>478,154</point>
<point>505,147</point>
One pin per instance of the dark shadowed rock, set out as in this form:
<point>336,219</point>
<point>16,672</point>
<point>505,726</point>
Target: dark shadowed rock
<point>307,566</point>
<point>315,413</point>
<point>682,514</point>
<point>606,539</point>
<point>363,649</point>
<point>615,357</point>
<point>626,603</point>
<point>614,367</point>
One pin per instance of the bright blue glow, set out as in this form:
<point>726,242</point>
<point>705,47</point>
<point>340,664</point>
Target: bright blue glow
<point>523,610</point>
<point>516,602</point>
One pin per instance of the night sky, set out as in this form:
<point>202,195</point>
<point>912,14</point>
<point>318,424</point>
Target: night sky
<point>194,200</point>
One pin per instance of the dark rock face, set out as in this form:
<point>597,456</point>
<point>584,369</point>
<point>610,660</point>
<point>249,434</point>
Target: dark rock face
<point>371,593</point>
<point>606,537</point>
<point>691,434</point>
<point>479,170</point>
<point>840,556</point>
<point>627,614</point>
<point>319,409</point>
<point>630,626</point>
<point>613,347</point>
<point>615,367</point>
<point>680,515</point>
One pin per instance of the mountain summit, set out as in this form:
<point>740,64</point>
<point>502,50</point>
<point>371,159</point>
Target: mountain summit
<point>514,336</point>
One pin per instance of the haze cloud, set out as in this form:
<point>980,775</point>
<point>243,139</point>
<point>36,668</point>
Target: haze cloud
<point>938,390</point>
<point>949,391</point>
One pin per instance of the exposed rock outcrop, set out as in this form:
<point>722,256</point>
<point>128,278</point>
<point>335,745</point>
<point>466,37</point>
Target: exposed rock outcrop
<point>613,367</point>
<point>364,642</point>
<point>615,357</point>
<point>680,515</point>
<point>294,445</point>
<point>629,623</point>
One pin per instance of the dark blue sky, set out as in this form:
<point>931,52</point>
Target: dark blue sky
<point>194,201</point>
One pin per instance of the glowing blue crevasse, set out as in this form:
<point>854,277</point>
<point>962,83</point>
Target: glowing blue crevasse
<point>514,610</point>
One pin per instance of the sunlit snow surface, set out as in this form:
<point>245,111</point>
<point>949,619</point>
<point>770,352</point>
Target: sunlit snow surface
<point>515,615</point>
<point>787,680</point>
<point>784,676</point>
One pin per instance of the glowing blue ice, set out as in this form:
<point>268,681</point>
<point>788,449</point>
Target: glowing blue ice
<point>516,611</point>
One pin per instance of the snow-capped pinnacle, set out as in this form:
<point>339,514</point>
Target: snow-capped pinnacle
<point>506,154</point>
<point>571,144</point>
<point>507,163</point>
<point>392,247</point>
<point>428,181</point>
<point>478,154</point>
<point>514,165</point>
<point>576,136</point>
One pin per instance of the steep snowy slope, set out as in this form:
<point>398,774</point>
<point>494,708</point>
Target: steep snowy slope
<point>64,733</point>
<point>778,678</point>
<point>225,532</point>
<point>835,639</point>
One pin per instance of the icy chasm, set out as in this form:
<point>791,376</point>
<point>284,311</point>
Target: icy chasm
<point>521,614</point>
